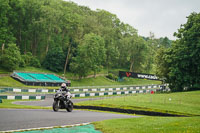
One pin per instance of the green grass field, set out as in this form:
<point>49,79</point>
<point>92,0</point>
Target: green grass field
<point>184,103</point>
<point>8,81</point>
<point>103,81</point>
<point>187,103</point>
<point>150,125</point>
<point>9,104</point>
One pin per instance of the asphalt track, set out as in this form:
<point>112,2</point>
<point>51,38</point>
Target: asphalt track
<point>14,119</point>
<point>49,101</point>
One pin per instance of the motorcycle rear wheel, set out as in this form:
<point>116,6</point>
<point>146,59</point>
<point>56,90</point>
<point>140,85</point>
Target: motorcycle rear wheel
<point>55,106</point>
<point>70,106</point>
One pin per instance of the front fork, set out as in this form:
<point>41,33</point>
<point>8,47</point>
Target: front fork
<point>57,101</point>
<point>65,103</point>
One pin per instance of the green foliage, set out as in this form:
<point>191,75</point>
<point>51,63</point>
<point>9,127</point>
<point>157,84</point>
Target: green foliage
<point>91,55</point>
<point>165,42</point>
<point>112,76</point>
<point>6,36</point>
<point>185,70</point>
<point>30,60</point>
<point>132,50</point>
<point>79,66</point>
<point>11,57</point>
<point>180,64</point>
<point>54,60</point>
<point>95,49</point>
<point>162,63</point>
<point>154,46</point>
<point>35,62</point>
<point>38,25</point>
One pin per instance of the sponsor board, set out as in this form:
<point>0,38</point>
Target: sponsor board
<point>138,75</point>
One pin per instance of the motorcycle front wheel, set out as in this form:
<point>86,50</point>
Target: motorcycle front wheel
<point>70,106</point>
<point>55,106</point>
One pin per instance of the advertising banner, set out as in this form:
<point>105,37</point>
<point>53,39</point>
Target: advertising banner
<point>138,75</point>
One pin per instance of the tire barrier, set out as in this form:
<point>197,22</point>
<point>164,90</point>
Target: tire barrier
<point>22,97</point>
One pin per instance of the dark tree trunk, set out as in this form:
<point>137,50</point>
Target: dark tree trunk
<point>131,66</point>
<point>67,58</point>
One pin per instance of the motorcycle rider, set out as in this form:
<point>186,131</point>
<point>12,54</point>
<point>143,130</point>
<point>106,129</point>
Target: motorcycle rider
<point>62,99</point>
<point>64,89</point>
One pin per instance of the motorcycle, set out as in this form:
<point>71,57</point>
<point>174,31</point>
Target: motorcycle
<point>62,101</point>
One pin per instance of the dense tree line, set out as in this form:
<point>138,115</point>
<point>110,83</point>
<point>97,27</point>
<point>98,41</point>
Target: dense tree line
<point>63,36</point>
<point>180,65</point>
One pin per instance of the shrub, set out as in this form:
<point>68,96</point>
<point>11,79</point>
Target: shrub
<point>112,76</point>
<point>30,60</point>
<point>55,59</point>
<point>11,57</point>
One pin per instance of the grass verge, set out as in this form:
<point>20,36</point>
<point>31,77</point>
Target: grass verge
<point>150,125</point>
<point>103,81</point>
<point>9,104</point>
<point>84,83</point>
<point>184,103</point>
